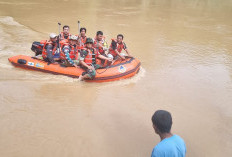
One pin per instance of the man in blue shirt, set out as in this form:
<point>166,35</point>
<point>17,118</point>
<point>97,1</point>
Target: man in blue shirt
<point>170,145</point>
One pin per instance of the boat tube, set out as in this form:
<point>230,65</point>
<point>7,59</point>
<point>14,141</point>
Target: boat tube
<point>121,69</point>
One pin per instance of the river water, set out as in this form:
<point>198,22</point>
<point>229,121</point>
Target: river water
<point>186,54</point>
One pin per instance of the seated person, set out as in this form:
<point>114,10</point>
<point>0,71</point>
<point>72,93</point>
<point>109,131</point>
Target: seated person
<point>88,57</point>
<point>100,43</point>
<point>49,48</point>
<point>65,34</point>
<point>116,48</point>
<point>69,54</point>
<point>82,38</point>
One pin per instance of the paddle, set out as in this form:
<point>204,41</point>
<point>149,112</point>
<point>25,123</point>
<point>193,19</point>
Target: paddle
<point>59,24</point>
<point>78,23</point>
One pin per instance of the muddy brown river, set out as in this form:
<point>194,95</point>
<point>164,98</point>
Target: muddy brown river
<point>185,48</point>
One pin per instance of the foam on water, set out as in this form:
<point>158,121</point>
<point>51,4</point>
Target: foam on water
<point>124,82</point>
<point>5,66</point>
<point>7,20</point>
<point>15,39</point>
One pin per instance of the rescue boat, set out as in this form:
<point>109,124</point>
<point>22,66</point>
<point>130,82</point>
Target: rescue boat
<point>121,69</point>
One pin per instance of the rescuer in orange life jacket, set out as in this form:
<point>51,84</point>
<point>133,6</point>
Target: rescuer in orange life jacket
<point>100,43</point>
<point>69,54</point>
<point>88,57</point>
<point>82,38</point>
<point>50,48</point>
<point>65,34</point>
<point>116,48</point>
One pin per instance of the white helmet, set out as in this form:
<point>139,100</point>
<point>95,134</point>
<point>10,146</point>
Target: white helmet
<point>73,37</point>
<point>53,35</point>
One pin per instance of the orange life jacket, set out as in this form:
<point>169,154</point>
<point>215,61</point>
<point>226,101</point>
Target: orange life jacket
<point>44,51</point>
<point>81,41</point>
<point>62,36</point>
<point>45,42</point>
<point>73,53</point>
<point>119,48</point>
<point>91,56</point>
<point>98,45</point>
<point>62,54</point>
<point>63,42</point>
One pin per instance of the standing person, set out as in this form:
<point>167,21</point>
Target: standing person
<point>65,34</point>
<point>50,48</point>
<point>170,145</point>
<point>116,48</point>
<point>69,54</point>
<point>100,43</point>
<point>88,57</point>
<point>82,38</point>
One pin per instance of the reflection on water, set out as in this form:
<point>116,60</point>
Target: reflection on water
<point>185,50</point>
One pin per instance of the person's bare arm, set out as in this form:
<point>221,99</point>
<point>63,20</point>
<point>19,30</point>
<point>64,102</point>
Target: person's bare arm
<point>121,56</point>
<point>128,53</point>
<point>86,65</point>
<point>105,58</point>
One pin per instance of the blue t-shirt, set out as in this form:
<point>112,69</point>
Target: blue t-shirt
<point>173,146</point>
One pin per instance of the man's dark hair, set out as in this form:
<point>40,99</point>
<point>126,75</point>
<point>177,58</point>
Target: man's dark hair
<point>65,26</point>
<point>99,33</point>
<point>162,120</point>
<point>120,35</point>
<point>83,29</point>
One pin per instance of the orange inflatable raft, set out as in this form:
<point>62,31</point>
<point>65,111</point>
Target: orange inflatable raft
<point>119,70</point>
